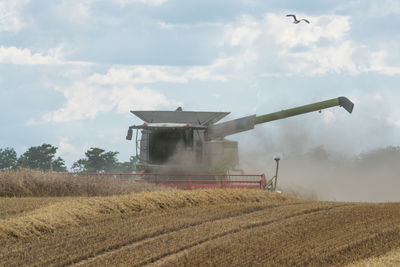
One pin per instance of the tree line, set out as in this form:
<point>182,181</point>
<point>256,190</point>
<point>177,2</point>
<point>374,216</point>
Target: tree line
<point>44,158</point>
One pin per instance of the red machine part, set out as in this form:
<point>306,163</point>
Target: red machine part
<point>193,181</point>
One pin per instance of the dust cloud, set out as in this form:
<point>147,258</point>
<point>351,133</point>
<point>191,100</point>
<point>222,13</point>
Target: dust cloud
<point>316,173</point>
<point>181,162</point>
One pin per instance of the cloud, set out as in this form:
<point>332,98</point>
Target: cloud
<point>169,26</point>
<point>389,121</point>
<point>75,12</point>
<point>24,56</point>
<point>381,8</point>
<point>129,98</point>
<point>326,27</point>
<point>279,46</point>
<point>14,55</point>
<point>84,13</point>
<point>10,15</point>
<point>273,47</point>
<point>153,74</point>
<point>371,8</point>
<point>69,152</point>
<point>87,99</point>
<point>329,117</point>
<point>146,2</point>
<point>139,74</point>
<point>270,46</point>
<point>380,63</point>
<point>244,33</point>
<point>121,89</point>
<point>83,101</point>
<point>320,60</point>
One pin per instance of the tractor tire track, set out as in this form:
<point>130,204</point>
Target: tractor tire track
<point>383,241</point>
<point>136,242</point>
<point>336,237</point>
<point>158,260</point>
<point>143,242</point>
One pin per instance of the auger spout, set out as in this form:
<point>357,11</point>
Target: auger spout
<point>247,123</point>
<point>340,101</point>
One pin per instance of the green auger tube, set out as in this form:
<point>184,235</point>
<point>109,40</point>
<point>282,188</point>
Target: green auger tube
<point>340,101</point>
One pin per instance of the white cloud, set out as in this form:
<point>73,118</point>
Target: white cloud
<point>83,101</point>
<point>268,47</point>
<point>379,63</point>
<point>389,121</point>
<point>139,74</point>
<point>371,8</point>
<point>81,13</point>
<point>328,117</point>
<point>130,98</point>
<point>69,152</point>
<point>243,33</point>
<point>10,15</point>
<point>285,33</point>
<point>75,12</point>
<point>24,56</point>
<point>164,25</point>
<point>216,71</point>
<point>118,89</point>
<point>14,55</point>
<point>87,99</point>
<point>380,8</point>
<point>274,47</point>
<point>378,97</point>
<point>146,2</point>
<point>321,60</point>
<point>153,74</point>
<point>65,146</point>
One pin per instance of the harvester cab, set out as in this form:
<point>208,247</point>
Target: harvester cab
<point>191,141</point>
<point>172,141</point>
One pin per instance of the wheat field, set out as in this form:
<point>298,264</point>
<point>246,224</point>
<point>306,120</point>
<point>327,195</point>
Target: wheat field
<point>218,227</point>
<point>33,183</point>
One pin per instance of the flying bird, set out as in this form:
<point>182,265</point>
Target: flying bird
<point>296,20</point>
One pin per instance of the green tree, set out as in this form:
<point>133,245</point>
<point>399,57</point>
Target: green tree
<point>42,158</point>
<point>128,166</point>
<point>8,159</point>
<point>97,160</point>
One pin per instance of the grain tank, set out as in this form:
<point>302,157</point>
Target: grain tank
<point>193,142</point>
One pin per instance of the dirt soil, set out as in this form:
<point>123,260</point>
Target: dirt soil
<point>201,227</point>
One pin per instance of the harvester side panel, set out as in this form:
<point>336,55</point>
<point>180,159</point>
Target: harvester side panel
<point>231,127</point>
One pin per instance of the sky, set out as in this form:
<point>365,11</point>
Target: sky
<point>71,71</point>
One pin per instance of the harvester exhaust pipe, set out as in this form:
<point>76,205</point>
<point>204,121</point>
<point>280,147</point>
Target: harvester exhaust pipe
<point>129,134</point>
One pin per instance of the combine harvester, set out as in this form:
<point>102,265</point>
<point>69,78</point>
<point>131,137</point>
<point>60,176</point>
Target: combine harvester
<point>187,149</point>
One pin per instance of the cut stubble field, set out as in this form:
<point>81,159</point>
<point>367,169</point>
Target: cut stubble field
<point>223,227</point>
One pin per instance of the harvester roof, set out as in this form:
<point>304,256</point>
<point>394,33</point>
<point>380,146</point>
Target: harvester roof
<point>192,117</point>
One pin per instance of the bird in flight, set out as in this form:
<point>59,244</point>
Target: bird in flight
<point>296,20</point>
